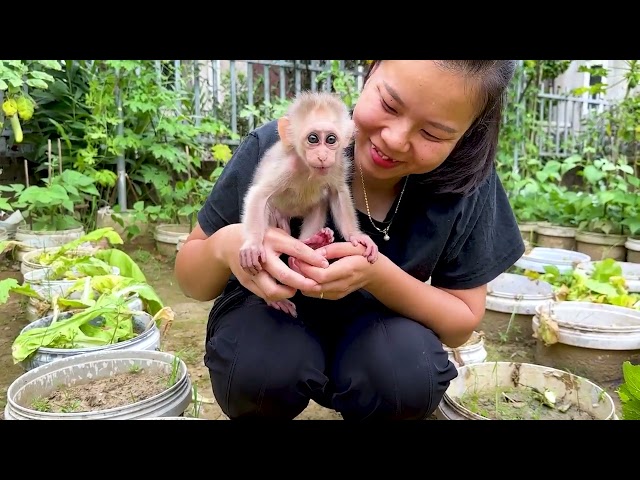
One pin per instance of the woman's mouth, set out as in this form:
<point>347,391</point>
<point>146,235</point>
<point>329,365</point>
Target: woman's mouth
<point>380,159</point>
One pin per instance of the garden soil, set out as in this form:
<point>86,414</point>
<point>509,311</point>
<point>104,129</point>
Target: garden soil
<point>102,394</point>
<point>185,336</point>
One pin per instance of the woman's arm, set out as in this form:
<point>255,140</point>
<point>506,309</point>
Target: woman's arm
<point>200,267</point>
<point>452,314</point>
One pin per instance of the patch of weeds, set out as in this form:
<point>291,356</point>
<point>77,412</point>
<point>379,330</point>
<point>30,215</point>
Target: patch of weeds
<point>149,263</point>
<point>41,404</point>
<point>142,256</point>
<point>196,404</point>
<point>71,406</point>
<point>189,355</point>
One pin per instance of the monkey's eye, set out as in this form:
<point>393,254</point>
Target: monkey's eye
<point>331,139</point>
<point>313,138</point>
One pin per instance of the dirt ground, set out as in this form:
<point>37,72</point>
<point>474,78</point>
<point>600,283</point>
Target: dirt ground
<point>185,337</point>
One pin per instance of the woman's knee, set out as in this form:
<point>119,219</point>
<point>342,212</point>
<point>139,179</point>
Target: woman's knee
<point>391,368</point>
<point>263,362</point>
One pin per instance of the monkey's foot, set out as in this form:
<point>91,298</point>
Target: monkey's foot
<point>371,252</point>
<point>287,306</point>
<point>250,256</point>
<point>322,238</point>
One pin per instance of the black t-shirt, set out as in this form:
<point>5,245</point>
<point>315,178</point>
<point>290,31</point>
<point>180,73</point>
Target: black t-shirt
<point>459,242</point>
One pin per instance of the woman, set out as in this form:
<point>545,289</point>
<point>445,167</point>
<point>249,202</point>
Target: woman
<point>367,341</point>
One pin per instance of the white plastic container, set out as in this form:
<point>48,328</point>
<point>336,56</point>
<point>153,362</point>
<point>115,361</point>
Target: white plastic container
<point>510,303</point>
<point>539,257</point>
<point>172,402</point>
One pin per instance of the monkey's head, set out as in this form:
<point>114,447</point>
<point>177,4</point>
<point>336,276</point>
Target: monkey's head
<point>318,127</point>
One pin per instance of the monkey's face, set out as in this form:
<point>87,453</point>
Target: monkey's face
<point>322,146</point>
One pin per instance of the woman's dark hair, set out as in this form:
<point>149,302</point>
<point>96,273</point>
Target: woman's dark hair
<point>472,159</point>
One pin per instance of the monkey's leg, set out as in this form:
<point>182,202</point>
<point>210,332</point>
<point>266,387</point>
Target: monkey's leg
<point>320,238</point>
<point>287,306</point>
<point>344,215</point>
<point>280,220</point>
<point>313,232</point>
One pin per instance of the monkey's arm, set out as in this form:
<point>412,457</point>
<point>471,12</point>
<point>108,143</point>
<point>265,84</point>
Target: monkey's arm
<point>255,220</point>
<point>255,217</point>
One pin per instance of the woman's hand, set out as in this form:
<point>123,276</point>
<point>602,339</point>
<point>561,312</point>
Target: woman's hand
<point>276,242</point>
<point>349,273</point>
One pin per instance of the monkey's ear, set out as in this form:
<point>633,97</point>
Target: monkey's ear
<point>283,130</point>
<point>349,131</point>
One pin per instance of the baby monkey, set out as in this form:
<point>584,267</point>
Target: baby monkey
<point>303,175</point>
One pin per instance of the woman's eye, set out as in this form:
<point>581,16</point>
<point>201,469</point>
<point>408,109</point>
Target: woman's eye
<point>432,137</point>
<point>386,106</point>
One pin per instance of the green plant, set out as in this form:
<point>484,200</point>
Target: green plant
<point>51,207</point>
<point>629,391</point>
<point>70,263</point>
<point>342,82</point>
<point>104,321</point>
<point>16,76</point>
<point>605,284</point>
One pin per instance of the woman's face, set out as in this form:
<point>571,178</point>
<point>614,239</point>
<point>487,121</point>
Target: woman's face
<point>409,117</point>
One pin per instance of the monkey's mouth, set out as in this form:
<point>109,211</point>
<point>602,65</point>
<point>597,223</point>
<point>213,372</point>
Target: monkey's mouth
<point>321,170</point>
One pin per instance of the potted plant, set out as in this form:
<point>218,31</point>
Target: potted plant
<point>523,391</point>
<point>603,211</point>
<point>176,215</point>
<point>106,384</point>
<point>62,268</point>
<point>49,210</point>
<point>112,313</point>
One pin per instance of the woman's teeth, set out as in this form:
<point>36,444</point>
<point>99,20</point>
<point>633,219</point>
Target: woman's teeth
<point>383,156</point>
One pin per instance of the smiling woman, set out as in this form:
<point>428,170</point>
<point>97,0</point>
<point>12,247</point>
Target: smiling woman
<point>367,341</point>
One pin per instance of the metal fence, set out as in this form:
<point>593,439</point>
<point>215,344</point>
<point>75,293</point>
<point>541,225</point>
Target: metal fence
<point>559,125</point>
<point>566,123</point>
<point>239,90</point>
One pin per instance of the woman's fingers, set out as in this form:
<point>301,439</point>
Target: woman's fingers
<point>293,247</point>
<point>281,272</point>
<point>341,249</point>
<point>265,287</point>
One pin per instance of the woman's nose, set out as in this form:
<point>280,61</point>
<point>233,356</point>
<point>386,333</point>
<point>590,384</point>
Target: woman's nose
<point>396,138</point>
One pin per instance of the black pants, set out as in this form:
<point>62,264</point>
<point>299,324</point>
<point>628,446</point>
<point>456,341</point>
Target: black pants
<point>352,356</point>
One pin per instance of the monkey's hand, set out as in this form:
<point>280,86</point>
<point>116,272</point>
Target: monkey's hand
<point>251,256</point>
<point>371,252</point>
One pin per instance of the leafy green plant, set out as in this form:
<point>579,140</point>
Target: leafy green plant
<point>104,321</point>
<point>342,82</point>
<point>51,207</point>
<point>629,391</point>
<point>605,284</point>
<point>610,203</point>
<point>70,262</point>
<point>16,76</point>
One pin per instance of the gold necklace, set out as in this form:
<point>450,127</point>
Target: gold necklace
<point>366,202</point>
